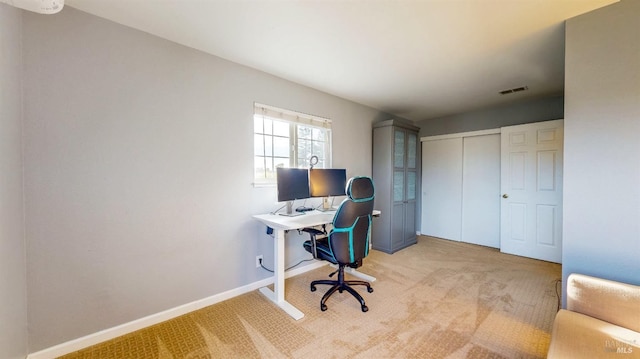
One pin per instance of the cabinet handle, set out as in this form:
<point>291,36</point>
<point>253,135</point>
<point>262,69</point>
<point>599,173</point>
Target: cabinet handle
<point>505,196</point>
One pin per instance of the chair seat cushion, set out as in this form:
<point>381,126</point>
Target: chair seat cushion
<point>322,249</point>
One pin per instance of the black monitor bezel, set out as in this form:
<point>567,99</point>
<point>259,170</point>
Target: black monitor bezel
<point>292,184</point>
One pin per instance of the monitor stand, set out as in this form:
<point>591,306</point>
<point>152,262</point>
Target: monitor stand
<point>326,205</point>
<point>290,212</point>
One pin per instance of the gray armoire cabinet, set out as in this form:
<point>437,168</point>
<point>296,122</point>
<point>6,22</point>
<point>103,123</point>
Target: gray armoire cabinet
<point>396,176</point>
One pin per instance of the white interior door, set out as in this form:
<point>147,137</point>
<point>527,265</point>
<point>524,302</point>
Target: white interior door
<point>481,190</point>
<point>442,188</point>
<point>531,183</point>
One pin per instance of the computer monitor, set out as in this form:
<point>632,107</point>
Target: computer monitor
<point>293,183</point>
<point>327,182</point>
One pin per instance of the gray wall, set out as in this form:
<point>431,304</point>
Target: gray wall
<point>13,301</point>
<point>602,144</point>
<point>139,170</point>
<point>527,111</point>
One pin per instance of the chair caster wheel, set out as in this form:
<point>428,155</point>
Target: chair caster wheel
<point>313,288</point>
<point>370,290</point>
<point>323,307</point>
<point>365,308</point>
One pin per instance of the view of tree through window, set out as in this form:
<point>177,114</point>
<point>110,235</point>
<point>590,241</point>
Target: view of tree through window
<point>282,142</point>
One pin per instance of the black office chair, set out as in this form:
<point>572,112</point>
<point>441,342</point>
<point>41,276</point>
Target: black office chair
<point>347,243</point>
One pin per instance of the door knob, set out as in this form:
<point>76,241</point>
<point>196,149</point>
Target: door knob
<point>505,196</point>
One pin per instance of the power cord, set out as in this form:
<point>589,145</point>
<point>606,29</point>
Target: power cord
<point>276,211</point>
<point>558,281</point>
<point>293,266</point>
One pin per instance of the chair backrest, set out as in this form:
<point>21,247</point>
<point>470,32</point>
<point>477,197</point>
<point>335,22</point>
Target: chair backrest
<point>351,233</point>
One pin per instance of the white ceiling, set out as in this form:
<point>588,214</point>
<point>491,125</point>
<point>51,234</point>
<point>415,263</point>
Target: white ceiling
<point>414,59</point>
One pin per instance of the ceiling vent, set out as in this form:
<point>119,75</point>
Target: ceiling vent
<point>514,90</point>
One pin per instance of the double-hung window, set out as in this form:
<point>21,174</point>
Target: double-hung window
<point>284,138</point>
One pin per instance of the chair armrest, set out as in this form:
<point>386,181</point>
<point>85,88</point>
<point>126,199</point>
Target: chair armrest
<point>614,302</point>
<point>314,233</point>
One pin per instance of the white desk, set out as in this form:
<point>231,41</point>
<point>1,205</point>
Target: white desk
<point>280,225</point>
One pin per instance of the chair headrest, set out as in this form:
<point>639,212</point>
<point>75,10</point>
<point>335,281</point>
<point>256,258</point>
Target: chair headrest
<point>360,189</point>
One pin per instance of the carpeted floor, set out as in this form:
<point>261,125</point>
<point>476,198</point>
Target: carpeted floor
<point>436,299</point>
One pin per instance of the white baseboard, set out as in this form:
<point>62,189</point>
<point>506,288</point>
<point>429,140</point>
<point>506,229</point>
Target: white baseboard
<point>126,328</point>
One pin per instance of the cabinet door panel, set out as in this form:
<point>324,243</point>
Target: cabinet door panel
<point>397,226</point>
<point>398,186</point>
<point>412,150</point>
<point>398,149</point>
<point>410,223</point>
<point>411,185</point>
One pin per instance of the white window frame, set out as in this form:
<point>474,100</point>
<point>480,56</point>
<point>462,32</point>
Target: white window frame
<point>294,120</point>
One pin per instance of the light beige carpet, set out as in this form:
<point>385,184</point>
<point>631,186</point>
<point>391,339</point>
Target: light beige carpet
<point>436,299</point>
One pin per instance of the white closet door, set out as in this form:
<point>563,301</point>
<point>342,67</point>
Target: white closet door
<point>532,190</point>
<point>442,188</point>
<point>481,190</point>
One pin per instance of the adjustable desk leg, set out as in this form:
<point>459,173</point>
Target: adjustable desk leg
<point>277,295</point>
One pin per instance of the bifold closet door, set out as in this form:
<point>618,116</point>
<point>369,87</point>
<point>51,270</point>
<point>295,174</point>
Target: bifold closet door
<point>442,188</point>
<point>481,190</point>
<point>461,189</point>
